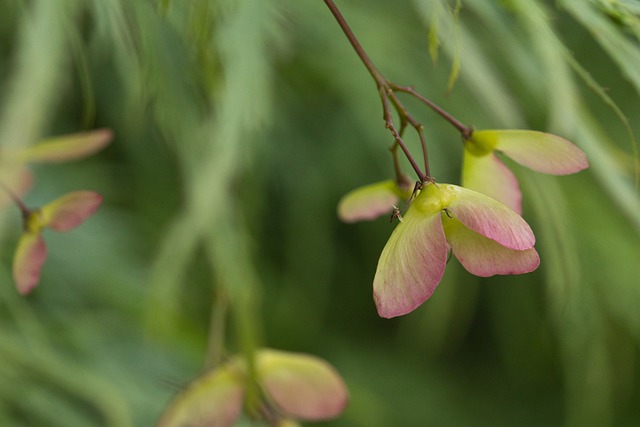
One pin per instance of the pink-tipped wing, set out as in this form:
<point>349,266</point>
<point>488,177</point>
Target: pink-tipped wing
<point>411,264</point>
<point>302,386</point>
<point>540,151</point>
<point>368,202</point>
<point>490,218</point>
<point>27,263</point>
<point>213,400</point>
<point>68,147</point>
<point>70,210</point>
<point>484,257</point>
<point>488,175</point>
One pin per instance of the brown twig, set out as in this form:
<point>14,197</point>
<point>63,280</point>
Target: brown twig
<point>24,210</point>
<point>465,131</point>
<point>387,91</point>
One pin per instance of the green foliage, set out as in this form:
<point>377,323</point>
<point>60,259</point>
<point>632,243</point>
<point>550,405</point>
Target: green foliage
<point>238,126</point>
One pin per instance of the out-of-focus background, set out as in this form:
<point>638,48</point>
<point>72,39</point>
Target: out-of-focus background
<point>238,126</point>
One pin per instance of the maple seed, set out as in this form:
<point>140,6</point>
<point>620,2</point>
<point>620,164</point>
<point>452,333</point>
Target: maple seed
<point>484,171</point>
<point>63,214</point>
<point>486,237</point>
<point>371,201</point>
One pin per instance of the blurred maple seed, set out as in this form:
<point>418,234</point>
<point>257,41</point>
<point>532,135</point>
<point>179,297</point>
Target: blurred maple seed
<point>58,149</point>
<point>65,148</point>
<point>371,201</point>
<point>63,214</point>
<point>297,386</point>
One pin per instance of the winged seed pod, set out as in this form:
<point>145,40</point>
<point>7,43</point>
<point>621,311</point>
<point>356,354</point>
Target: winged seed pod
<point>296,387</point>
<point>373,200</point>
<point>64,148</point>
<point>486,236</point>
<point>63,214</point>
<point>484,172</point>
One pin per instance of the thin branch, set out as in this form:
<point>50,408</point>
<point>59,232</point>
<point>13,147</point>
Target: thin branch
<point>388,118</point>
<point>387,91</point>
<point>402,181</point>
<point>464,130</point>
<point>407,117</point>
<point>217,327</point>
<point>384,90</point>
<point>377,75</point>
<point>24,210</point>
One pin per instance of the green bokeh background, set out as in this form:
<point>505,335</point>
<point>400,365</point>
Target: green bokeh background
<point>238,126</point>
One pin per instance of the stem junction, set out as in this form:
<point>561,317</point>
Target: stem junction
<point>388,95</point>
